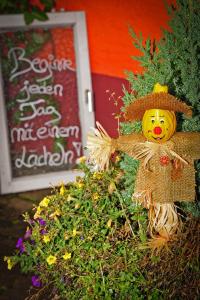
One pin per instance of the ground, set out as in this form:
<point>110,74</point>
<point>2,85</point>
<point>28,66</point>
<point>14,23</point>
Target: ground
<point>13,284</point>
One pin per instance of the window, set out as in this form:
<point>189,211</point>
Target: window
<point>45,108</point>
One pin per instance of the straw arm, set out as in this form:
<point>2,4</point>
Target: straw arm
<point>130,144</point>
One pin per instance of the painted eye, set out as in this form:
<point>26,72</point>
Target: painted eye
<point>162,122</point>
<point>152,121</point>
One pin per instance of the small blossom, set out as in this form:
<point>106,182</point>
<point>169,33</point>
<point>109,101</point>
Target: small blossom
<point>80,185</point>
<point>36,281</point>
<point>55,214</point>
<point>109,223</point>
<point>95,196</point>
<point>97,175</point>
<point>62,190</point>
<point>41,221</point>
<point>51,260</point>
<point>38,212</point>
<point>117,158</point>
<point>69,198</point>
<point>111,188</point>
<point>10,263</point>
<point>44,202</point>
<point>27,233</point>
<point>43,231</point>
<point>20,245</point>
<point>77,205</point>
<point>81,160</point>
<point>74,232</point>
<point>46,239</point>
<point>31,222</point>
<point>67,255</point>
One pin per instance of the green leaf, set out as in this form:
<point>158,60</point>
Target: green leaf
<point>28,18</point>
<point>40,15</point>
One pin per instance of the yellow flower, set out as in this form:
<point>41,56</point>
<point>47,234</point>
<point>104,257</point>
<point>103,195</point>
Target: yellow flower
<point>62,190</point>
<point>74,232</point>
<point>56,213</point>
<point>51,260</point>
<point>97,175</point>
<point>81,159</point>
<point>10,263</point>
<point>67,255</point>
<point>38,212</point>
<point>80,185</point>
<point>44,202</point>
<point>109,223</point>
<point>117,158</point>
<point>111,188</point>
<point>77,205</point>
<point>95,196</point>
<point>69,198</point>
<point>46,239</point>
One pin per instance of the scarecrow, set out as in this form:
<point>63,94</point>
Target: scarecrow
<point>166,172</point>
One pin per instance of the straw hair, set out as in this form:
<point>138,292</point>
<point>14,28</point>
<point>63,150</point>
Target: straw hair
<point>161,100</point>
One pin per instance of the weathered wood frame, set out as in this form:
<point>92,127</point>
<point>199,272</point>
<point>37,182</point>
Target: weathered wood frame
<point>32,182</point>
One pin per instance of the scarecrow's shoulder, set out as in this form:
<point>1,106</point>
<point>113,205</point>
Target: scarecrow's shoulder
<point>187,143</point>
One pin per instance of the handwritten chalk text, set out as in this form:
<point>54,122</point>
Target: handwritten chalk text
<point>45,159</point>
<point>31,89</point>
<point>38,65</point>
<point>19,134</point>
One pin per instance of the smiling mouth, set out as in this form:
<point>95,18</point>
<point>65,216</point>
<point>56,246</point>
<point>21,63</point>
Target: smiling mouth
<point>158,138</point>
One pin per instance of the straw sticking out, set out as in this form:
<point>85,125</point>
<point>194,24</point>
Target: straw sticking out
<point>100,146</point>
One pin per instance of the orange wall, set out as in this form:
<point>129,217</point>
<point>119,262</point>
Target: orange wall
<point>110,45</point>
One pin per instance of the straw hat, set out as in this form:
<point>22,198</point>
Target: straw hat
<point>159,99</point>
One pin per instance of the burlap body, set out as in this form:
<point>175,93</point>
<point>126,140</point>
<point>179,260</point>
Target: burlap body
<point>161,185</point>
<point>170,182</point>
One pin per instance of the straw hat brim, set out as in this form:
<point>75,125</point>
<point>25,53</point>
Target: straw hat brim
<point>161,100</point>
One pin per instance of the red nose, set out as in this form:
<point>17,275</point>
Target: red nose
<point>157,130</point>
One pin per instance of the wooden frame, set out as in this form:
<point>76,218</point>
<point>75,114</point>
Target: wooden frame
<point>10,184</point>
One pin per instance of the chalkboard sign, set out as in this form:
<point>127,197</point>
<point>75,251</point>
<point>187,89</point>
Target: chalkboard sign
<point>45,109</point>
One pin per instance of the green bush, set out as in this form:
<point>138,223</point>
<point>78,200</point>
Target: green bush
<point>83,240</point>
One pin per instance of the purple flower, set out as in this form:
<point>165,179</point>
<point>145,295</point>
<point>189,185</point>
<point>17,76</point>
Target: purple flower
<point>36,281</point>
<point>41,221</point>
<point>31,222</point>
<point>20,245</point>
<point>27,234</point>
<point>43,231</point>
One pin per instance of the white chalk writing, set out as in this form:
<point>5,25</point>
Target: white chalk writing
<point>31,89</point>
<point>77,146</point>
<point>45,159</point>
<point>18,134</point>
<point>39,119</point>
<point>39,66</point>
<point>39,111</point>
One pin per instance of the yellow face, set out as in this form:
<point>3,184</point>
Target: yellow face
<point>158,125</point>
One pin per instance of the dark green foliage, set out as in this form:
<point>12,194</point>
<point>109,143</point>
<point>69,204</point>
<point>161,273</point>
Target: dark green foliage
<point>30,11</point>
